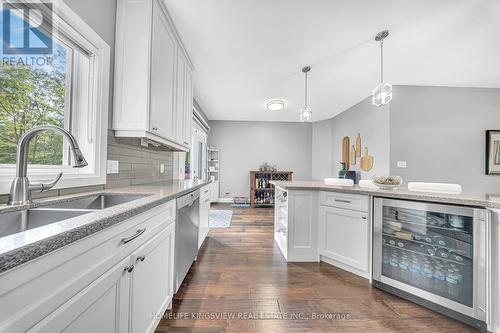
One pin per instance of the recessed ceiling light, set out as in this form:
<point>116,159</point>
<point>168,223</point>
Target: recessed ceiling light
<point>275,105</point>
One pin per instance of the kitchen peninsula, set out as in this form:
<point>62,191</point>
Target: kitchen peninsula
<point>395,238</point>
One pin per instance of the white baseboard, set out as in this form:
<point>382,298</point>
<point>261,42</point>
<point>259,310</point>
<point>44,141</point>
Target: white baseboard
<point>225,200</point>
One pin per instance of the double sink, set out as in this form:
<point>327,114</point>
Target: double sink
<point>21,220</point>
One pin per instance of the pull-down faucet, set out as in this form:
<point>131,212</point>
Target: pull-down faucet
<point>21,188</point>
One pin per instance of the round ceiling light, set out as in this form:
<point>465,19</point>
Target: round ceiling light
<point>275,105</point>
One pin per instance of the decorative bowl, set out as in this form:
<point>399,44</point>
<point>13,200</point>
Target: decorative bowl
<point>387,182</point>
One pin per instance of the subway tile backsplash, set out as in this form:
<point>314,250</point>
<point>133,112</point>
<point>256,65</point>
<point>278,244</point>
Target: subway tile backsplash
<point>138,164</point>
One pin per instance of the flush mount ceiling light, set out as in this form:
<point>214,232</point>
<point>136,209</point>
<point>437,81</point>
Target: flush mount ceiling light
<point>382,94</point>
<point>275,105</point>
<point>306,112</point>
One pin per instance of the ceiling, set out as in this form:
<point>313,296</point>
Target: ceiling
<point>246,52</point>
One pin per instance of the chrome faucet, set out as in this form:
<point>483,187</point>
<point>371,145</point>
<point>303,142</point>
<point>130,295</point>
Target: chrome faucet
<point>21,188</point>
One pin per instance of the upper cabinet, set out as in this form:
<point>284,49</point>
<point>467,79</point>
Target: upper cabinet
<point>153,96</point>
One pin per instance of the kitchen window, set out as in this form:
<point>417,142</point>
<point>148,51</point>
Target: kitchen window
<point>67,87</point>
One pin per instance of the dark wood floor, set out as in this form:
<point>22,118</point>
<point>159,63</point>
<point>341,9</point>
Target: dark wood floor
<point>240,272</point>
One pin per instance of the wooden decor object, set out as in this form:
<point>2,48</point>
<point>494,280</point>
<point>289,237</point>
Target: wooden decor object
<point>352,155</point>
<point>366,161</point>
<point>345,151</point>
<point>358,145</point>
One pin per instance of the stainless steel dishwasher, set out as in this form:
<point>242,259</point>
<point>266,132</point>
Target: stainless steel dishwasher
<point>186,235</point>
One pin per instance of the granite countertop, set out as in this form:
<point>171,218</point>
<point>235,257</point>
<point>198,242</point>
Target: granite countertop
<point>19,248</point>
<point>468,199</point>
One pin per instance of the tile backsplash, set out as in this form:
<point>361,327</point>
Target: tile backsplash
<point>137,164</point>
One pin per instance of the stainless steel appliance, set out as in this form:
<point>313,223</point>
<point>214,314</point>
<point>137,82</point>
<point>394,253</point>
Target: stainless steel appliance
<point>186,235</point>
<point>434,255</point>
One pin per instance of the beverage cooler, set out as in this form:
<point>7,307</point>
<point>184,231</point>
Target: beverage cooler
<point>434,255</point>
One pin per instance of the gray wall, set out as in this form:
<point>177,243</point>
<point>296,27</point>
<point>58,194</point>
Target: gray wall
<point>440,132</point>
<point>373,125</point>
<point>138,165</point>
<point>244,145</point>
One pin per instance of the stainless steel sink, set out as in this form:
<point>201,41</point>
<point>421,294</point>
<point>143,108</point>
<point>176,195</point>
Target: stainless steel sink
<point>22,220</point>
<point>100,201</point>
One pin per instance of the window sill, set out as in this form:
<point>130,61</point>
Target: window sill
<point>67,181</point>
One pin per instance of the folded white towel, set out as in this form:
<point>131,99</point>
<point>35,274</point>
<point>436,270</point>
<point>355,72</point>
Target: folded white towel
<point>339,182</point>
<point>367,183</point>
<point>435,187</point>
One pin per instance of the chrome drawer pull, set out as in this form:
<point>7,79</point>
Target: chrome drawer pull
<point>343,201</point>
<point>141,258</point>
<point>129,269</point>
<point>131,238</point>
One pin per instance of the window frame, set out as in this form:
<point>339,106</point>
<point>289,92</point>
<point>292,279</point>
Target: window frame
<point>67,25</point>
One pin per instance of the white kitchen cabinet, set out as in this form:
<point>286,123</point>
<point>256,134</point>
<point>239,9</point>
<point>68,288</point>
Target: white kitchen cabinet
<point>153,94</point>
<point>204,214</point>
<point>296,227</point>
<point>163,56</point>
<point>184,100</point>
<point>214,191</point>
<point>83,283</point>
<point>100,307</point>
<point>344,239</point>
<point>494,272</point>
<point>152,281</point>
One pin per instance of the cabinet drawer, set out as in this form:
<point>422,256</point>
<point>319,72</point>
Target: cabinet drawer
<point>344,200</point>
<point>30,292</point>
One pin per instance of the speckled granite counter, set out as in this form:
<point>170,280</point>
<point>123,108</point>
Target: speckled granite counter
<point>22,247</point>
<point>467,199</point>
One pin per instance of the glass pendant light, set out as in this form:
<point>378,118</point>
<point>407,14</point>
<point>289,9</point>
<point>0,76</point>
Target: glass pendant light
<point>306,112</point>
<point>382,94</point>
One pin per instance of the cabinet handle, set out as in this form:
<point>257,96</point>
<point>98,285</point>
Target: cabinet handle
<point>131,238</point>
<point>186,143</point>
<point>141,258</point>
<point>129,269</point>
<point>155,128</point>
<point>364,217</point>
<point>343,201</point>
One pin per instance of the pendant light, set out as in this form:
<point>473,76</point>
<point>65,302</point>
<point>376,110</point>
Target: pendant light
<point>382,94</point>
<point>306,112</point>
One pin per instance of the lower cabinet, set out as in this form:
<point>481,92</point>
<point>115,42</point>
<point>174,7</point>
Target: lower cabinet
<point>344,239</point>
<point>204,214</point>
<point>119,280</point>
<point>130,297</point>
<point>101,307</point>
<point>152,278</point>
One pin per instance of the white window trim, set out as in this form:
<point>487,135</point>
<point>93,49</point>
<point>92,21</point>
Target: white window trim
<point>64,19</point>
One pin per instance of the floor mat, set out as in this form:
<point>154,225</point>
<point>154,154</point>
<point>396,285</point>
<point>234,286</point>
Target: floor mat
<point>220,218</point>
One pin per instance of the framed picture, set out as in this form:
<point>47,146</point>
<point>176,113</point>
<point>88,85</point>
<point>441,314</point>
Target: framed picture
<point>493,152</point>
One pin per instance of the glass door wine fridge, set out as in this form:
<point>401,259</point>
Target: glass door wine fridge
<point>434,255</point>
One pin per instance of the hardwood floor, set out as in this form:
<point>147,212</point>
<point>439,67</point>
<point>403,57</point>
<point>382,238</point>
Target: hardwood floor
<point>241,283</point>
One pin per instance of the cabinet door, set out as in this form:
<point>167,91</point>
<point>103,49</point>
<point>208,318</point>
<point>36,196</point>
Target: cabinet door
<point>162,98</point>
<point>181,99</point>
<point>101,307</point>
<point>204,216</point>
<point>344,237</point>
<point>152,281</point>
<point>188,107</point>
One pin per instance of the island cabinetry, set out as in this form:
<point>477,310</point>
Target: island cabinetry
<point>296,228</point>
